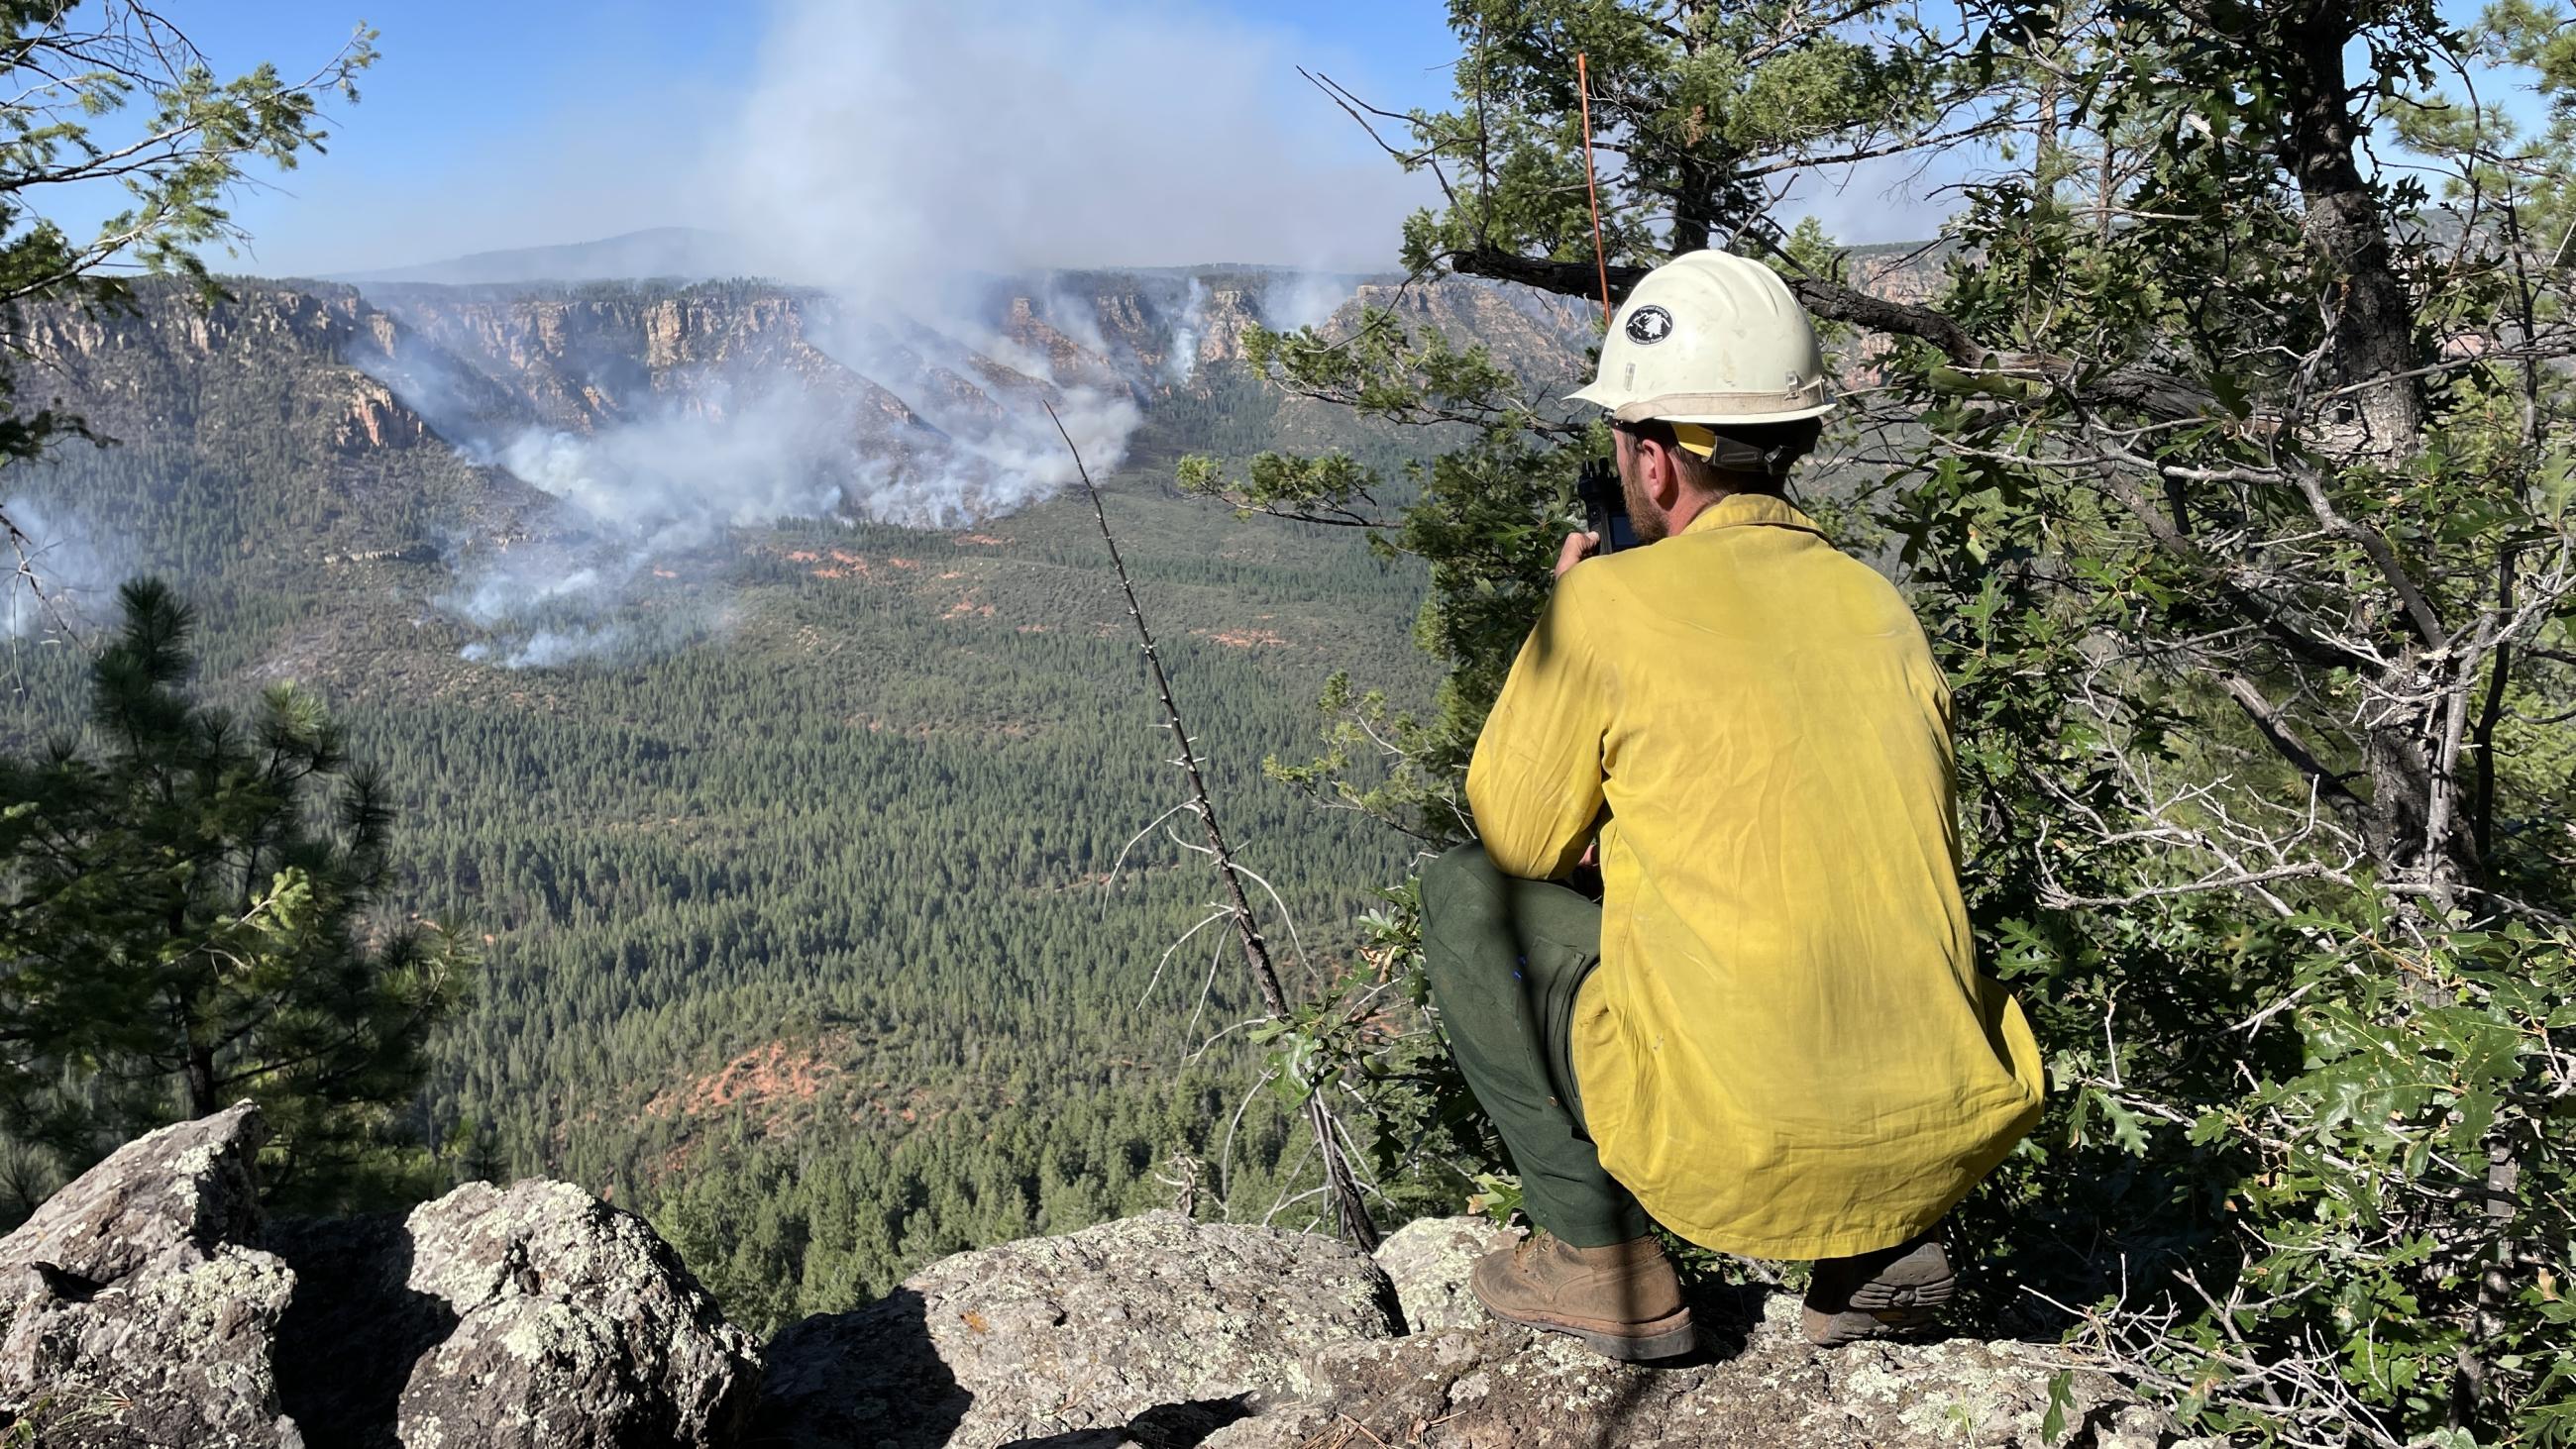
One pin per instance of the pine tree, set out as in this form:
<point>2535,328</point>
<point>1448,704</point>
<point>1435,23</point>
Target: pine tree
<point>196,912</point>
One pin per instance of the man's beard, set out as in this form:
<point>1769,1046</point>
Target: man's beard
<point>1642,516</point>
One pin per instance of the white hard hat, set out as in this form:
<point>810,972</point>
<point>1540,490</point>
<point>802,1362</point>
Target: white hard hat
<point>1711,338</point>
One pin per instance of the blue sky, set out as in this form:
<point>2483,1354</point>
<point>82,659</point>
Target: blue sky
<point>490,125</point>
<point>873,136</point>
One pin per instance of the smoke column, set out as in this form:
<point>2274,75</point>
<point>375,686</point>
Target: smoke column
<point>76,569</point>
<point>887,141</point>
<point>903,156</point>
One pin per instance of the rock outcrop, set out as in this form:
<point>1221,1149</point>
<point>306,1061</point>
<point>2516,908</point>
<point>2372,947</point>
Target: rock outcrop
<point>1161,1333</point>
<point>532,1318</point>
<point>1755,1381</point>
<point>1428,1260</point>
<point>139,1311</point>
<point>149,1305</point>
<point>1151,1330</point>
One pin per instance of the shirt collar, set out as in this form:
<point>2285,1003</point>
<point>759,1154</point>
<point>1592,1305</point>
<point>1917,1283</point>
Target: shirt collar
<point>1738,510</point>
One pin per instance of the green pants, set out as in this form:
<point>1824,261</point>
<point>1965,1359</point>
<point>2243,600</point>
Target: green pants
<point>1506,957</point>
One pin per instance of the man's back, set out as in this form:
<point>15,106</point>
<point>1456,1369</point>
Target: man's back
<point>1786,1050</point>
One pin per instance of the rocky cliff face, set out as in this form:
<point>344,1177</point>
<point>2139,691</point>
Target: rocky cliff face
<point>153,1306</point>
<point>588,358</point>
<point>172,366</point>
<point>915,410</point>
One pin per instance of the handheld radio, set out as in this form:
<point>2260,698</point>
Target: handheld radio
<point>1605,506</point>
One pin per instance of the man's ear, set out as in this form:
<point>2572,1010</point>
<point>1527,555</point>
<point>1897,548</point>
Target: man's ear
<point>1663,478</point>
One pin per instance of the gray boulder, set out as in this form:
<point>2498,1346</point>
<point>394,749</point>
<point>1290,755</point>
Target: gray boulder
<point>1428,1260</point>
<point>137,1314</point>
<point>1166,1334</point>
<point>532,1318</point>
<point>147,1305</point>
<point>1153,1330</point>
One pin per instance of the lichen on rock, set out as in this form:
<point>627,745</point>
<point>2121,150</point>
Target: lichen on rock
<point>148,1304</point>
<point>1754,1381</point>
<point>138,1313</point>
<point>1081,1333</point>
<point>535,1317</point>
<point>1428,1260</point>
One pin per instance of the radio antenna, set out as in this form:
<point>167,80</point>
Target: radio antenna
<point>1591,187</point>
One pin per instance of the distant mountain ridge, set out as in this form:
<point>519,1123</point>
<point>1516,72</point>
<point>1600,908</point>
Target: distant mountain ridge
<point>952,391</point>
<point>679,252</point>
<point>937,402</point>
<point>685,254</point>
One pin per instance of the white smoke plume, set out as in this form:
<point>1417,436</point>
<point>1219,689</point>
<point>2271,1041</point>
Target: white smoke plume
<point>1184,356</point>
<point>66,573</point>
<point>885,141</point>
<point>544,648</point>
<point>907,157</point>
<point>672,481</point>
<point>747,447</point>
<point>1304,299</point>
<point>874,136</point>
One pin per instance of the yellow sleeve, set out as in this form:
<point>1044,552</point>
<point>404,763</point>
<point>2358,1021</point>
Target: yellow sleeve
<point>1535,781</point>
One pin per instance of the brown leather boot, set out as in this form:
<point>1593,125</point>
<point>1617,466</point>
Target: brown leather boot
<point>1623,1300</point>
<point>1891,1293</point>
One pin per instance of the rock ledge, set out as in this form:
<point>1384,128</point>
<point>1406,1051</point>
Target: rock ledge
<point>148,1304</point>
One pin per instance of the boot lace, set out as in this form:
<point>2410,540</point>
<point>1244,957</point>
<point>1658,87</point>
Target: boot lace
<point>1532,1243</point>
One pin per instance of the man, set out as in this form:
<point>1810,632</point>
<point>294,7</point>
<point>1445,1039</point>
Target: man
<point>1769,1034</point>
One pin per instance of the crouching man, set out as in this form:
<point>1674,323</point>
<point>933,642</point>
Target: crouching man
<point>1769,1034</point>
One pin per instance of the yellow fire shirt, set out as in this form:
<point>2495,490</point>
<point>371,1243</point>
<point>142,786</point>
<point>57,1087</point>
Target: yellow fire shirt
<point>1786,1051</point>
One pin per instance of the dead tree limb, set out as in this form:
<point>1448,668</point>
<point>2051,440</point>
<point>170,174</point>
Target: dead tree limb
<point>1348,1207</point>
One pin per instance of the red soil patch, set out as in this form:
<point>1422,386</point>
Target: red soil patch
<point>766,1081</point>
<point>836,563</point>
<point>843,565</point>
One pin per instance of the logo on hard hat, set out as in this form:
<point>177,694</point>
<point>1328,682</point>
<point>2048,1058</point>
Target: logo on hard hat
<point>1649,325</point>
